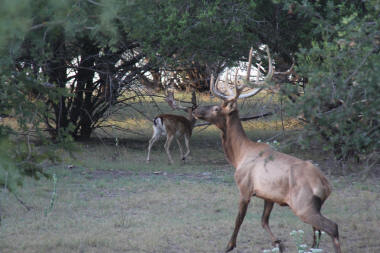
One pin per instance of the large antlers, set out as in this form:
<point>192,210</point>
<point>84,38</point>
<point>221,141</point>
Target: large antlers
<point>239,87</point>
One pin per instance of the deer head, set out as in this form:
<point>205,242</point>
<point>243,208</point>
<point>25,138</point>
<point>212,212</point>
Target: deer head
<point>173,104</point>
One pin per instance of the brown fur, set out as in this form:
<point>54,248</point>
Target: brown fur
<point>174,127</point>
<point>271,175</point>
<point>177,123</point>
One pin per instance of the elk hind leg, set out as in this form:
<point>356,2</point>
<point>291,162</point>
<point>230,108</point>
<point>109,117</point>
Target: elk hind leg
<point>314,217</point>
<point>315,244</point>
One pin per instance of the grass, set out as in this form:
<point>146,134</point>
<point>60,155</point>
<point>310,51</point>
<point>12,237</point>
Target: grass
<point>109,200</point>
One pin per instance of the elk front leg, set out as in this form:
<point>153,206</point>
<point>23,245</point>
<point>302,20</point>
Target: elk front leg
<point>268,206</point>
<point>169,140</point>
<point>243,205</point>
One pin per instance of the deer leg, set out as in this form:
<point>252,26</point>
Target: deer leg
<point>268,206</point>
<point>187,147</point>
<point>169,140</point>
<point>313,217</point>
<point>154,138</point>
<point>243,205</point>
<point>180,147</point>
<point>315,237</point>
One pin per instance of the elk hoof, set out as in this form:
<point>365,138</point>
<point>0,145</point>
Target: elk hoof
<point>279,245</point>
<point>230,246</point>
<point>147,161</point>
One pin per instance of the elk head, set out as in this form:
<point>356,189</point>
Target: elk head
<point>217,114</point>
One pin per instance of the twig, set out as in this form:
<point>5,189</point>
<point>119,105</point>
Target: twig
<point>242,118</point>
<point>142,113</point>
<point>275,136</point>
<point>358,67</point>
<point>28,208</point>
<point>120,128</point>
<point>95,3</point>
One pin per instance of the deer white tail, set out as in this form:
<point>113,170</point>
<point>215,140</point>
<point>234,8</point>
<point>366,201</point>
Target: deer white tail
<point>158,127</point>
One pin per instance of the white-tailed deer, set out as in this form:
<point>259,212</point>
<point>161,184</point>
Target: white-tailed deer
<point>265,173</point>
<point>173,127</point>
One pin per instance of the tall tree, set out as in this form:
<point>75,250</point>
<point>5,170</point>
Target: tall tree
<point>194,37</point>
<point>79,52</point>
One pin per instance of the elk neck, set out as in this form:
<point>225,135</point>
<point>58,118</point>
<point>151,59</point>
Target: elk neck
<point>233,138</point>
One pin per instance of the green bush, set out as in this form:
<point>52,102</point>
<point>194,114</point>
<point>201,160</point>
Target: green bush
<point>341,98</point>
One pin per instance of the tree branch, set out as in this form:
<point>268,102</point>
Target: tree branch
<point>247,118</point>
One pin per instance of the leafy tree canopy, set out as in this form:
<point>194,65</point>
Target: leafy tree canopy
<point>341,101</point>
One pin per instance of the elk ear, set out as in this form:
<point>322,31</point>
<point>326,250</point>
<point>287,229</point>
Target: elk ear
<point>230,106</point>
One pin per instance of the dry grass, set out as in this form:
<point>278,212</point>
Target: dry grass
<point>110,200</point>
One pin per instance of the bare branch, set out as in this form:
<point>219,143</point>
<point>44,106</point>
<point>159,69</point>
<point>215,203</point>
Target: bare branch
<point>247,118</point>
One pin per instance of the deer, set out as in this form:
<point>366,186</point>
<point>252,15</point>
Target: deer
<point>265,173</point>
<point>174,127</point>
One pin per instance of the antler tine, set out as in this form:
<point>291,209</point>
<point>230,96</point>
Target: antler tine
<point>288,71</point>
<point>268,77</point>
<point>238,88</point>
<point>171,101</point>
<point>249,64</point>
<point>270,71</point>
<point>258,72</point>
<point>214,90</point>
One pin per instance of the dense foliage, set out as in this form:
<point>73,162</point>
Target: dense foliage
<point>341,100</point>
<point>64,65</point>
<point>78,57</point>
<point>196,37</point>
